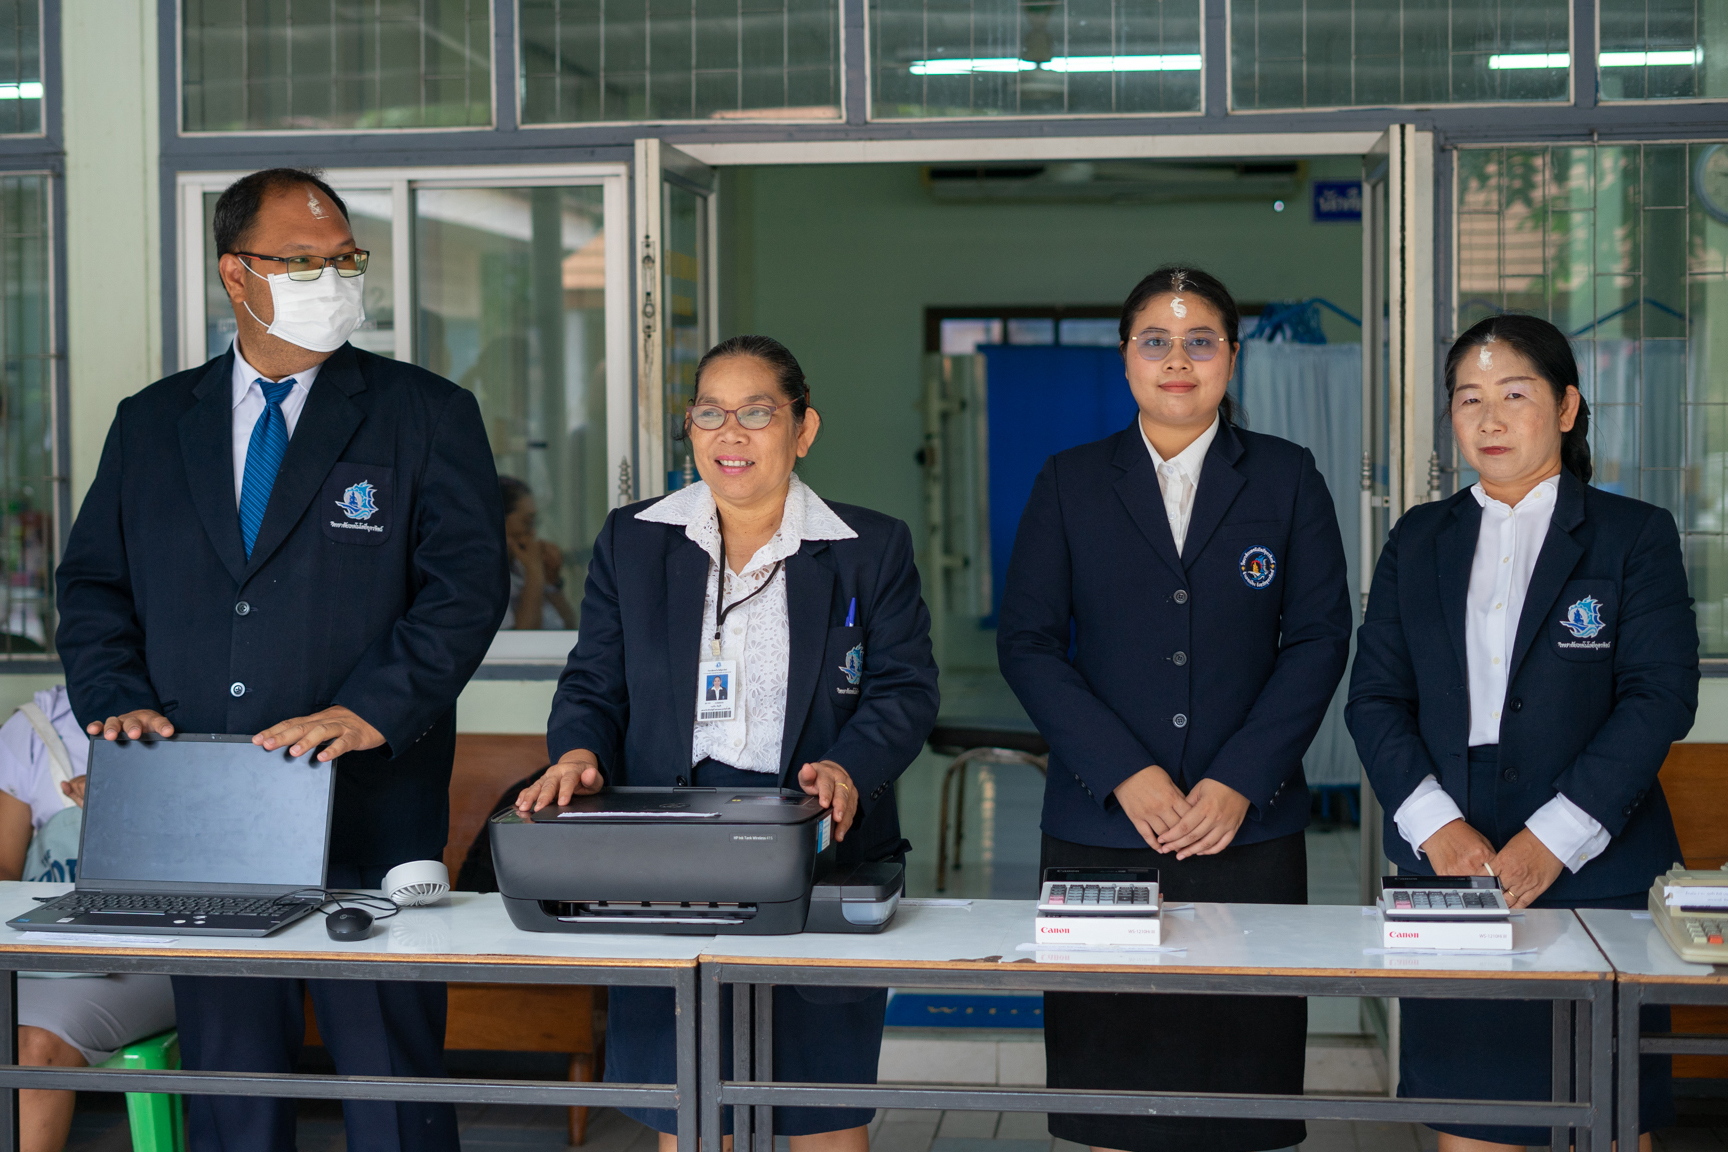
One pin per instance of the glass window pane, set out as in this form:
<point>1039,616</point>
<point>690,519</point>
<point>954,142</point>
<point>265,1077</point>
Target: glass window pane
<point>588,60</point>
<point>315,65</point>
<point>511,288</point>
<point>26,417</point>
<point>1623,247</point>
<point>962,337</point>
<point>20,67</point>
<point>1005,58</point>
<point>1099,333</point>
<point>369,212</point>
<point>1663,50</point>
<point>1334,53</point>
<point>1034,330</point>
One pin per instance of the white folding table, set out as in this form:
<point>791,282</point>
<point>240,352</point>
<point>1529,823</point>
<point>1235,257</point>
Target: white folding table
<point>467,938</point>
<point>1233,949</point>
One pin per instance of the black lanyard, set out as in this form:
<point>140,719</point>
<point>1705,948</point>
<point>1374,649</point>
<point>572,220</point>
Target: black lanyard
<point>720,608</point>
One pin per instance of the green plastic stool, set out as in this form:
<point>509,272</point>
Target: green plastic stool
<point>157,1122</point>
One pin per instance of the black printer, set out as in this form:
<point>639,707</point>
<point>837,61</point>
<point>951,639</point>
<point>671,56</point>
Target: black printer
<point>686,861</point>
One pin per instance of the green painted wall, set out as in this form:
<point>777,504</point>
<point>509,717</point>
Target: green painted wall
<point>839,262</point>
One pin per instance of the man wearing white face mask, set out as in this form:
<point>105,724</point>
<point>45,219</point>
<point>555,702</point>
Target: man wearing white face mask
<point>303,542</point>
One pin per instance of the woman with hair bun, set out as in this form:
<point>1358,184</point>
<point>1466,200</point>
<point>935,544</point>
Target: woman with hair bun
<point>1175,621</point>
<point>744,633</point>
<point>1529,654</point>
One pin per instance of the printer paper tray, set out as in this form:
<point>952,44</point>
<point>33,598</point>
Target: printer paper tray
<point>650,920</point>
<point>774,919</point>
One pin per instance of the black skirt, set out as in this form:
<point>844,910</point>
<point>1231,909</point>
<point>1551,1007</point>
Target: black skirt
<point>1139,1041</point>
<point>1503,1049</point>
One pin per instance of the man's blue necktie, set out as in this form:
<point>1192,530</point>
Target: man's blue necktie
<point>264,454</point>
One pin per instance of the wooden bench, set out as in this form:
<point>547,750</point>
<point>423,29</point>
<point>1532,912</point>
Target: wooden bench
<point>510,1017</point>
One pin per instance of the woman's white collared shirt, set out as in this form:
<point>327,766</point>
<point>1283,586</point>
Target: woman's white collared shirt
<point>1179,478</point>
<point>1507,545</point>
<point>758,633</point>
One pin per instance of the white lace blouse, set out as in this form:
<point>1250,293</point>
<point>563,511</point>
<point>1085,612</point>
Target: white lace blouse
<point>758,633</point>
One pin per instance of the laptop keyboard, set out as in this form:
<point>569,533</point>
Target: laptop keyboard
<point>175,905</point>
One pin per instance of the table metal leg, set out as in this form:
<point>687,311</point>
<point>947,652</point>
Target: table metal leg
<point>1599,1058</point>
<point>742,1065</point>
<point>1628,1051</point>
<point>9,1055</point>
<point>763,1065</point>
<point>1560,1057</point>
<point>687,995</point>
<point>708,1035</point>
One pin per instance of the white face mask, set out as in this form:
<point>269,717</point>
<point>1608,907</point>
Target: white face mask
<point>318,315</point>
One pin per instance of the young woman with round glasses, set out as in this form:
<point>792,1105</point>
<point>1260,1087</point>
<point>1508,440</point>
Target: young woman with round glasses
<point>743,633</point>
<point>1175,622</point>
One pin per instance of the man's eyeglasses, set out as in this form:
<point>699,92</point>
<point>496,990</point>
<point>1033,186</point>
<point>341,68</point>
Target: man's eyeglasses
<point>347,265</point>
<point>755,417</point>
<point>1155,346</point>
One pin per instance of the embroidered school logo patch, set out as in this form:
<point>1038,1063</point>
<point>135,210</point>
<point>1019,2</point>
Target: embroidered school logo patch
<point>356,502</point>
<point>1258,566</point>
<point>1584,619</point>
<point>854,665</point>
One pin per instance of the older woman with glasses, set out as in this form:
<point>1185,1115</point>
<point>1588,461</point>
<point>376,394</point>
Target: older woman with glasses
<point>742,632</point>
<point>1175,621</point>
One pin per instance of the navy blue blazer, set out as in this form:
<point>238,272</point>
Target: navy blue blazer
<point>388,614</point>
<point>628,692</point>
<point>1591,717</point>
<point>1219,663</point>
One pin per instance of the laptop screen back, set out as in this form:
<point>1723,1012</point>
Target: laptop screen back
<point>193,812</point>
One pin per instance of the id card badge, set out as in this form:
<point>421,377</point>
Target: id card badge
<point>717,690</point>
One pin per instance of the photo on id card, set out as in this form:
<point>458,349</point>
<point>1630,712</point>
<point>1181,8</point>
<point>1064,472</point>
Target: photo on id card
<point>717,692</point>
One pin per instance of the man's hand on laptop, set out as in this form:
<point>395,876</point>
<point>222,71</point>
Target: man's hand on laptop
<point>345,732</point>
<point>577,774</point>
<point>132,725</point>
<point>74,789</point>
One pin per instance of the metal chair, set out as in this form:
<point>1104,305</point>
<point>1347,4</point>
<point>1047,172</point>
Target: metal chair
<point>977,742</point>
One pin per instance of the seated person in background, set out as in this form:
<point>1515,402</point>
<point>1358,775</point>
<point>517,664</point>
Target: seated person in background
<point>537,597</point>
<point>64,1019</point>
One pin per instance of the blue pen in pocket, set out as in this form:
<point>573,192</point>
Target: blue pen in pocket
<point>852,612</point>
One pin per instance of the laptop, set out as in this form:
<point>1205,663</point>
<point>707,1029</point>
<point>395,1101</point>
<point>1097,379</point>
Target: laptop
<point>196,835</point>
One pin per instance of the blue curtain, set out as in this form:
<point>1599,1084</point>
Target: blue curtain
<point>1042,400</point>
<point>1045,399</point>
<point>1312,394</point>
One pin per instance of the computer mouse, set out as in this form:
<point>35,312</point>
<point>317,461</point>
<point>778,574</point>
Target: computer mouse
<point>349,924</point>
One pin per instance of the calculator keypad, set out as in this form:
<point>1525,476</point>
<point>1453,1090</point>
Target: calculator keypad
<point>1441,900</point>
<point>1705,931</point>
<point>1099,895</point>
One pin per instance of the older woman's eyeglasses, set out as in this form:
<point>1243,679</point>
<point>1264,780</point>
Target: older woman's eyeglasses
<point>755,417</point>
<point>1155,346</point>
<point>348,265</point>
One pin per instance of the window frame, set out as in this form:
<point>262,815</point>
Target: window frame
<point>518,84</point>
<point>1077,118</point>
<point>46,10</point>
<point>43,154</point>
<point>1645,102</point>
<point>1565,101</point>
<point>178,73</point>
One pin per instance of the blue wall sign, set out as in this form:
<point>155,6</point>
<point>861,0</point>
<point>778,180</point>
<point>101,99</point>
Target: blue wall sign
<point>1338,200</point>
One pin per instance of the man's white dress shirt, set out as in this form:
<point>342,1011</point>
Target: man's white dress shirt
<point>1179,478</point>
<point>758,633</point>
<point>249,405</point>
<point>1506,550</point>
